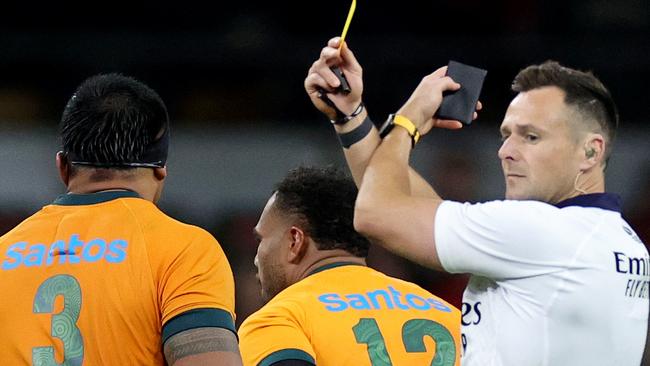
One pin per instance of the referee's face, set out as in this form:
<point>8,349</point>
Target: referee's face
<point>540,155</point>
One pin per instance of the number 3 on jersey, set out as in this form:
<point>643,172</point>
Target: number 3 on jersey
<point>413,333</point>
<point>64,324</point>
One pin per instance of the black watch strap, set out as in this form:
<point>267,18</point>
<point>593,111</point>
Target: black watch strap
<point>387,126</point>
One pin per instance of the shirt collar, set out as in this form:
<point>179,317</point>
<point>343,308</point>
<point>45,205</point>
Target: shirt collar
<point>606,201</point>
<point>333,265</point>
<point>75,199</point>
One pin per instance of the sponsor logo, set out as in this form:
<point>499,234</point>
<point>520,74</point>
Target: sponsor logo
<point>72,251</point>
<point>639,267</point>
<point>389,299</point>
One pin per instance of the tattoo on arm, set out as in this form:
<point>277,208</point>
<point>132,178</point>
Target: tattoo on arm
<point>199,340</point>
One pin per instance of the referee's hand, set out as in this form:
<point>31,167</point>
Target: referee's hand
<point>321,80</point>
<point>425,101</point>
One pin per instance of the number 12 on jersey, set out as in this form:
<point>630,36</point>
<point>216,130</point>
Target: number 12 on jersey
<point>413,332</point>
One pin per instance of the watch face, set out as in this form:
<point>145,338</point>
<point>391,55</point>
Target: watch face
<point>387,126</point>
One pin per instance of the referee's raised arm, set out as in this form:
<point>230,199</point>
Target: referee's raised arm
<point>386,211</point>
<point>349,116</point>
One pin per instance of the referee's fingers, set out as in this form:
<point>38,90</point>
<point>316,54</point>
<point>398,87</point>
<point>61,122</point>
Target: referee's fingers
<point>330,77</point>
<point>449,124</point>
<point>348,57</point>
<point>314,81</point>
<point>331,56</point>
<point>440,72</point>
<point>329,53</point>
<point>334,42</point>
<point>321,68</point>
<point>448,83</point>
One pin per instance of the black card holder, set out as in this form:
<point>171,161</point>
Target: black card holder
<point>461,104</point>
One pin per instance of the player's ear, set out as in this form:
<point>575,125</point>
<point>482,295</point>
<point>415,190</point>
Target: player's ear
<point>298,245</point>
<point>160,173</point>
<point>63,167</point>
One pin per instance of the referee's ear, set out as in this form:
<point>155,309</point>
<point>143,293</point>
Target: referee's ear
<point>63,167</point>
<point>594,149</point>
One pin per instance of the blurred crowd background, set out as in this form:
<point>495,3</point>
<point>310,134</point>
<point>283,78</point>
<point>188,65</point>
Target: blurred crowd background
<point>232,77</point>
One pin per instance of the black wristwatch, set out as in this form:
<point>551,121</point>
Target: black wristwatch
<point>398,120</point>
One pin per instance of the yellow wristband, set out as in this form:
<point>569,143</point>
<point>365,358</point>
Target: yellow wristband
<point>409,126</point>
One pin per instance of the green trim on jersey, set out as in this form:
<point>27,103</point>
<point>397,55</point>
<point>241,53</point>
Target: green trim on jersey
<point>286,354</point>
<point>334,265</point>
<point>198,318</point>
<point>74,199</point>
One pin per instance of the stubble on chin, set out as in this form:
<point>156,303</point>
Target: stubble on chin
<point>276,282</point>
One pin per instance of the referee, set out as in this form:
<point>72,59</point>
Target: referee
<point>558,276</point>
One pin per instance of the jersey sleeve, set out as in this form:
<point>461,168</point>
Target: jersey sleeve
<point>272,335</point>
<point>196,286</point>
<point>501,239</point>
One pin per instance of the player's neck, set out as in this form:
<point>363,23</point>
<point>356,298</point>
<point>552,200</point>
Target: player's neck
<point>320,258</point>
<point>82,186</point>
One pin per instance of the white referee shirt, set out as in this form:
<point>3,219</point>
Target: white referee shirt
<point>551,285</point>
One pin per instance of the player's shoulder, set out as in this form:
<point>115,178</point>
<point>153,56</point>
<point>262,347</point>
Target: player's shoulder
<point>350,277</point>
<point>153,221</point>
<point>413,292</point>
<point>279,326</point>
<point>295,301</point>
<point>36,219</point>
<point>167,238</point>
<point>171,226</point>
<point>295,297</point>
<point>285,307</point>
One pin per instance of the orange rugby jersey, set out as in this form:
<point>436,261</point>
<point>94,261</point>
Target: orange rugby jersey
<point>345,314</point>
<point>105,279</point>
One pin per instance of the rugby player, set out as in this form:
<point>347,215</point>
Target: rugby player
<point>101,276</point>
<point>325,306</point>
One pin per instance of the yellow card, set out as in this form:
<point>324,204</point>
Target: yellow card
<point>347,22</point>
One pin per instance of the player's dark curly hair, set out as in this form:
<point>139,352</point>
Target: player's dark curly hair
<point>322,199</point>
<point>112,118</point>
<point>583,91</point>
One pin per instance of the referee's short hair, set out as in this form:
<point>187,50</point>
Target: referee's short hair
<point>583,92</point>
<point>322,201</point>
<point>112,118</point>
